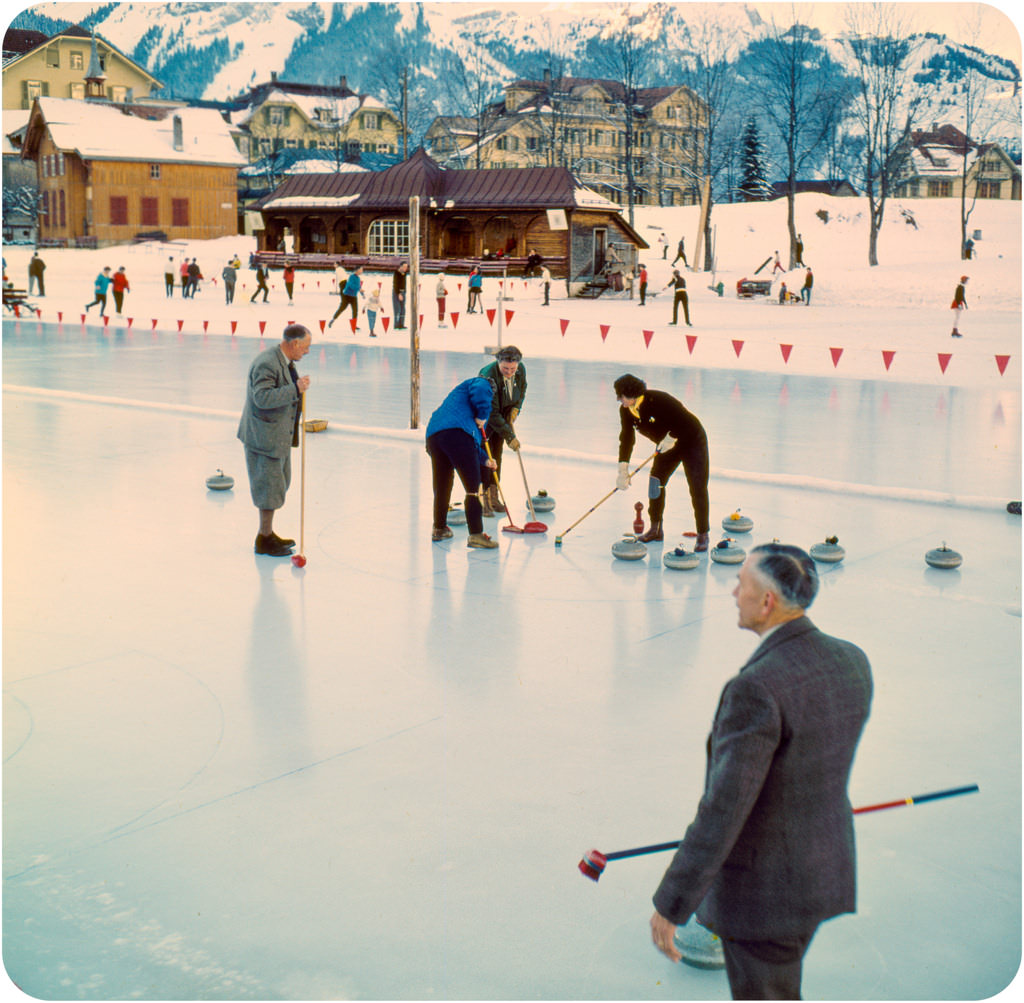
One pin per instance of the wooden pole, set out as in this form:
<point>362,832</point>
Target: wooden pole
<point>413,306</point>
<point>705,204</point>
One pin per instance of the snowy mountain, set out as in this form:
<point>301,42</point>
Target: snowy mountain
<point>215,50</point>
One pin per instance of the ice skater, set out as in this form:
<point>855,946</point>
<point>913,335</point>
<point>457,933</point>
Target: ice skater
<point>229,275</point>
<point>441,295</point>
<point>958,306</point>
<point>475,285</point>
<point>398,284</point>
<point>643,284</point>
<point>350,294</point>
<point>681,252</point>
<point>269,430</point>
<point>455,446</point>
<point>119,286</point>
<point>169,278</point>
<point>507,377</point>
<point>99,289</point>
<point>545,278</point>
<point>373,308</point>
<point>767,865</point>
<point>261,284</point>
<point>680,438</point>
<point>36,267</point>
<point>288,277</point>
<point>681,298</point>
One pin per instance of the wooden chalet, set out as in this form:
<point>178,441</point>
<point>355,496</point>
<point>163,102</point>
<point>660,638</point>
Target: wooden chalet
<point>466,216</point>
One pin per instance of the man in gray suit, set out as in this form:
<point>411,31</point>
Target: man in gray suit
<point>269,428</point>
<point>770,853</point>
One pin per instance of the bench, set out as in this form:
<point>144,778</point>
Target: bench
<point>14,299</point>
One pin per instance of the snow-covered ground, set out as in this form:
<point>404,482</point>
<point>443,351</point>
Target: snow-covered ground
<point>372,778</point>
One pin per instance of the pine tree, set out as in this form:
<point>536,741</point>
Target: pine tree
<point>754,187</point>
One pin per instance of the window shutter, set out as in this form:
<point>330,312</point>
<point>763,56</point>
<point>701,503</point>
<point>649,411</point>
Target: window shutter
<point>46,88</point>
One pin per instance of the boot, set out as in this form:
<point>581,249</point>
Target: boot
<point>495,499</point>
<point>485,502</point>
<point>440,533</point>
<point>702,542</point>
<point>482,541</point>
<point>653,535</point>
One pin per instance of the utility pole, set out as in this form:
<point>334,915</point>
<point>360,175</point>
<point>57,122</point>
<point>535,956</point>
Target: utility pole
<point>405,113</point>
<point>413,305</point>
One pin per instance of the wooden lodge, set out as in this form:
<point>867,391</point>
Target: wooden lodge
<point>495,217</point>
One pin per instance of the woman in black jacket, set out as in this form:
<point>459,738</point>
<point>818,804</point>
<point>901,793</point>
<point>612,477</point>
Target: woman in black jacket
<point>680,438</point>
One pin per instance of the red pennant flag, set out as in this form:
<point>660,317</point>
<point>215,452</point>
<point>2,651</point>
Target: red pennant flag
<point>83,318</point>
<point>385,321</point>
<point>647,338</point>
<point>490,316</point>
<point>153,328</point>
<point>263,325</point>
<point>180,323</point>
<point>323,324</point>
<point>737,347</point>
<point>459,286</point>
<point>564,324</point>
<point>836,356</point>
<point>206,324</point>
<point>887,357</point>
<point>691,342</point>
<point>60,316</point>
<point>39,315</point>
<point>786,349</point>
<point>500,284</point>
<point>605,328</point>
<point>1001,362</point>
<point>509,314</point>
<point>106,321</point>
<point>421,322</point>
<point>455,318</point>
<point>352,324</point>
<point>234,324</point>
<point>130,319</point>
<point>944,358</point>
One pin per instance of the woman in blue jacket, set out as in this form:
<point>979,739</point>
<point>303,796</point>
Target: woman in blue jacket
<point>455,436</point>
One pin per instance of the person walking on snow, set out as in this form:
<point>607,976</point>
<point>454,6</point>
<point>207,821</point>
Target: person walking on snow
<point>36,267</point>
<point>681,297</point>
<point>169,278</point>
<point>545,278</point>
<point>805,291</point>
<point>800,250</point>
<point>440,294</point>
<point>229,275</point>
<point>681,253</point>
<point>680,438</point>
<point>100,290</point>
<point>289,280</point>
<point>643,284</point>
<point>261,283</point>
<point>194,275</point>
<point>663,243</point>
<point>507,377</point>
<point>777,267</point>
<point>958,306</point>
<point>183,272</point>
<point>120,286</point>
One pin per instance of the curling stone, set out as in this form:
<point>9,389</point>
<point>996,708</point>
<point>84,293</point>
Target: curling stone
<point>220,481</point>
<point>944,557</point>
<point>699,946</point>
<point>737,523</point>
<point>726,553</point>
<point>828,552</point>
<point>316,424</point>
<point>629,548</point>
<point>681,559</point>
<point>542,501</point>
<point>456,517</point>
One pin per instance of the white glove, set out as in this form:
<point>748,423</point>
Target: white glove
<point>666,444</point>
<point>622,481</point>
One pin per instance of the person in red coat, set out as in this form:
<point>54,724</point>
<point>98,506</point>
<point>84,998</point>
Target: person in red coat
<point>120,286</point>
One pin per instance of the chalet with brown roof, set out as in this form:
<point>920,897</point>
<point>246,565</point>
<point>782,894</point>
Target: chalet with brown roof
<point>465,216</point>
<point>936,161</point>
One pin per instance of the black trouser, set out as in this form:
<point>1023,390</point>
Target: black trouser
<point>118,299</point>
<point>453,450</point>
<point>643,293</point>
<point>547,293</point>
<point>694,458</point>
<point>169,284</point>
<point>346,300</point>
<point>681,297</point>
<point>765,969</point>
<point>38,279</point>
<point>261,285</point>
<point>229,292</point>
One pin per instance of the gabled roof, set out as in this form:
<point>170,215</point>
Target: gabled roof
<point>646,97</point>
<point>101,130</point>
<point>780,188</point>
<point>18,41</point>
<point>510,188</point>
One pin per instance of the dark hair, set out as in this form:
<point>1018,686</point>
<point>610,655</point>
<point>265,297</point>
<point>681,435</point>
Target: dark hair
<point>790,570</point>
<point>629,385</point>
<point>509,354</point>
<point>295,332</point>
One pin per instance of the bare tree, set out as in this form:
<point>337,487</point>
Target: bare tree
<point>469,87</point>
<point>625,56</point>
<point>798,91</point>
<point>886,103</point>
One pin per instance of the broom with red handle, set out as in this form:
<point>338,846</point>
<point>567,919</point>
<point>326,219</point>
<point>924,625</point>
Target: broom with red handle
<point>594,861</point>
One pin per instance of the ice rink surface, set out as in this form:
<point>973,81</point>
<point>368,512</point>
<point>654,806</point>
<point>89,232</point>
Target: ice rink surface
<point>228,778</point>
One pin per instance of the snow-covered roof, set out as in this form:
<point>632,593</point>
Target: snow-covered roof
<point>591,200</point>
<point>312,201</point>
<point>939,161</point>
<point>339,108</point>
<point>15,120</point>
<point>102,131</point>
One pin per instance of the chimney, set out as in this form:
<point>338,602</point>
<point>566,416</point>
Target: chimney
<point>273,76</point>
<point>179,139</point>
<point>343,82</point>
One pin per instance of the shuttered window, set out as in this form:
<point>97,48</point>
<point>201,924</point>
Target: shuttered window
<point>150,210</point>
<point>118,210</point>
<point>179,212</point>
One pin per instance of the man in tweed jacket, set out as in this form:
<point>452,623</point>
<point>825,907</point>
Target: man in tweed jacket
<point>269,428</point>
<point>770,853</point>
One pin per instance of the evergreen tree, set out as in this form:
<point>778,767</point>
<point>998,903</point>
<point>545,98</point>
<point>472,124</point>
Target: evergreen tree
<point>754,187</point>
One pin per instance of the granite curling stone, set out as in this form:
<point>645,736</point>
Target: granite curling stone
<point>681,559</point>
<point>629,548</point>
<point>828,552</point>
<point>220,481</point>
<point>699,946</point>
<point>543,502</point>
<point>456,517</point>
<point>737,523</point>
<point>726,553</point>
<point>944,557</point>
